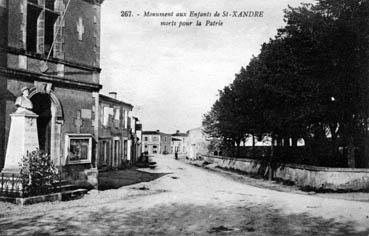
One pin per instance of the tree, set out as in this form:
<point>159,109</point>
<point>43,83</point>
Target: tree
<point>310,82</point>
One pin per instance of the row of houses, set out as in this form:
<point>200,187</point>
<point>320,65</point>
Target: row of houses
<point>190,144</point>
<point>53,48</point>
<point>119,133</point>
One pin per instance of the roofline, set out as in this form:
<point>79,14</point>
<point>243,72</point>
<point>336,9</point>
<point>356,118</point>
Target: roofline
<point>154,132</point>
<point>180,134</point>
<point>110,99</point>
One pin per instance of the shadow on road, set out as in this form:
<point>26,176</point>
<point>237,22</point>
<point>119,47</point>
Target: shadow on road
<point>120,178</point>
<point>176,219</point>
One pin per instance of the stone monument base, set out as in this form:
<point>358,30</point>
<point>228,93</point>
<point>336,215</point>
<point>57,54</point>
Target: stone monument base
<point>23,138</point>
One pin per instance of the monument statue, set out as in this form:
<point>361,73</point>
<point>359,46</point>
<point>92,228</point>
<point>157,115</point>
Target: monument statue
<point>23,102</point>
<point>23,136</point>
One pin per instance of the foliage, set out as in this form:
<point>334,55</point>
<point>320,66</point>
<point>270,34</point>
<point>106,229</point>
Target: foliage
<point>38,172</point>
<point>310,81</point>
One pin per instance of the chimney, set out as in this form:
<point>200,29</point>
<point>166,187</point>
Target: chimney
<point>157,131</point>
<point>113,95</point>
<point>177,132</point>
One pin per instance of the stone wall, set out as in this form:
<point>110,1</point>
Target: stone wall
<point>319,178</point>
<point>85,50</point>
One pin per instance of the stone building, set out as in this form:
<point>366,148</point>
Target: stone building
<point>156,142</point>
<point>53,48</point>
<point>115,137</point>
<point>178,142</point>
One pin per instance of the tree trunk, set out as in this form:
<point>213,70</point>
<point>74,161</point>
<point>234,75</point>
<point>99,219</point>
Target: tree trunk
<point>271,157</point>
<point>233,148</point>
<point>351,153</point>
<point>238,148</point>
<point>334,141</point>
<point>253,146</point>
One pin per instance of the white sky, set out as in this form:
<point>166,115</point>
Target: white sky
<point>172,75</point>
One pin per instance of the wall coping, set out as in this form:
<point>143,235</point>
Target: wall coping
<point>297,166</point>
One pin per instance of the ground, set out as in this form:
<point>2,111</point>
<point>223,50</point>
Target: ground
<point>119,178</point>
<point>189,200</point>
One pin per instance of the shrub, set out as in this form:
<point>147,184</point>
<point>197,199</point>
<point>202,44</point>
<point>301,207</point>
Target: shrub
<point>38,173</point>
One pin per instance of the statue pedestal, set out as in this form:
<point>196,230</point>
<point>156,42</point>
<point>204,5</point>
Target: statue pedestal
<point>22,138</point>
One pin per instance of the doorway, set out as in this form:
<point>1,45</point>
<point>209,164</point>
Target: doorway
<point>116,153</point>
<point>42,107</point>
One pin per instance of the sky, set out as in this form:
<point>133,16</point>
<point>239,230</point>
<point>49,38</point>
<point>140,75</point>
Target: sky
<point>171,74</point>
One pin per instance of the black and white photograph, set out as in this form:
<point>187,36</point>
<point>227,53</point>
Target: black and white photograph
<point>184,117</point>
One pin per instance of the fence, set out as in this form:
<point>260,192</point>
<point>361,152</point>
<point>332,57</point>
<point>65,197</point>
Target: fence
<point>11,185</point>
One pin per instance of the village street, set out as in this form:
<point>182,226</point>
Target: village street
<point>188,200</point>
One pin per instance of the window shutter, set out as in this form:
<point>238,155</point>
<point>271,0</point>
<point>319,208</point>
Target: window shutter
<point>40,33</point>
<point>59,30</point>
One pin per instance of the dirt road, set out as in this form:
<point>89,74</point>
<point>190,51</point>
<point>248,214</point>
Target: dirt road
<point>188,201</point>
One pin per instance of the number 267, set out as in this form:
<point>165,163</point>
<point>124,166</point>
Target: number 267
<point>125,13</point>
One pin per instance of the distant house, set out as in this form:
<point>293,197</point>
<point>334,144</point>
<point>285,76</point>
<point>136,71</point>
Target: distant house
<point>196,143</point>
<point>117,138</point>
<point>156,142</point>
<point>178,142</point>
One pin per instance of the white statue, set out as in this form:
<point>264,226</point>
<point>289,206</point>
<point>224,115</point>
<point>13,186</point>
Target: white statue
<point>23,102</point>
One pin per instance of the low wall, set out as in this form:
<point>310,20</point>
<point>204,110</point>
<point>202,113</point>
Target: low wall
<point>319,178</point>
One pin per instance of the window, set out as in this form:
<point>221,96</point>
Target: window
<point>41,19</point>
<point>116,113</point>
<point>129,123</point>
<point>165,139</point>
<point>155,146</point>
<point>138,127</point>
<point>146,139</point>
<point>116,117</point>
<point>33,13</point>
<point>125,149</point>
<point>125,113</point>
<point>107,113</point>
<point>133,125</point>
<point>50,19</point>
<point>116,152</point>
<point>104,150</point>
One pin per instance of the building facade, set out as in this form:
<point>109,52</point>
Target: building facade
<point>53,48</point>
<point>115,139</point>
<point>151,142</point>
<point>156,142</point>
<point>179,142</point>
